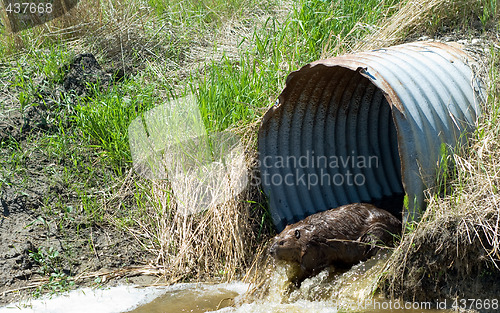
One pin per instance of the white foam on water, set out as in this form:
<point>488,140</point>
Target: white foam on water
<point>109,300</point>
<point>236,286</point>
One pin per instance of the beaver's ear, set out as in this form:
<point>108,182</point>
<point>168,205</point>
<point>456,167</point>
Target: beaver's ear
<point>308,259</point>
<point>306,251</point>
<point>303,252</point>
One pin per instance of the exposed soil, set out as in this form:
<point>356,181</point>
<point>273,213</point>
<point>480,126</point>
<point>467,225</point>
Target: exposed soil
<point>42,228</point>
<point>85,70</point>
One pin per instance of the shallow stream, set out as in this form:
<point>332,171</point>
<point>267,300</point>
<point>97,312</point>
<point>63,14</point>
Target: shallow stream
<point>350,291</point>
<point>326,292</point>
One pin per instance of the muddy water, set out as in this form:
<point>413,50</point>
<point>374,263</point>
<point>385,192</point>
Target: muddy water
<point>195,298</point>
<point>326,292</point>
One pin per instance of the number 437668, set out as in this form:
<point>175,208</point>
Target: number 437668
<point>29,7</point>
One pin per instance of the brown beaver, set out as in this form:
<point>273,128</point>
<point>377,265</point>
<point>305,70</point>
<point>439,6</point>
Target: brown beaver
<point>340,237</point>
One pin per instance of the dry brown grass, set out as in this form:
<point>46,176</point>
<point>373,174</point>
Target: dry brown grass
<point>422,17</point>
<point>90,20</point>
<point>214,244</point>
<point>130,33</point>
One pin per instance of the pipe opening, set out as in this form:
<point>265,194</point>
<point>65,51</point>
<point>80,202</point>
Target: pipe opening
<point>331,141</point>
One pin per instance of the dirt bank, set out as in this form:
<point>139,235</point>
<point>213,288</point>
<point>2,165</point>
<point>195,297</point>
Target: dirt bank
<point>47,242</point>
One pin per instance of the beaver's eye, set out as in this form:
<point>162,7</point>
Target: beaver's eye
<point>297,234</point>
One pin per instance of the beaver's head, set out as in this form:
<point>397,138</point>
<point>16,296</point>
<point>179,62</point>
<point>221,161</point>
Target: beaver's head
<point>289,245</point>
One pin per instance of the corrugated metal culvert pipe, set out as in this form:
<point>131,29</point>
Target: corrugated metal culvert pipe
<point>366,127</point>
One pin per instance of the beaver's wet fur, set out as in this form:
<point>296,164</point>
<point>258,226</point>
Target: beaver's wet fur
<point>338,237</point>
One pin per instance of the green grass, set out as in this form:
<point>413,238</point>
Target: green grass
<point>490,10</point>
<point>195,16</point>
<point>28,69</point>
<point>230,91</point>
<point>49,262</point>
<point>104,118</point>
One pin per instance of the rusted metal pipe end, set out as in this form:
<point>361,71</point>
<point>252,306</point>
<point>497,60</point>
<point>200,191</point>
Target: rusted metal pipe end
<point>366,127</point>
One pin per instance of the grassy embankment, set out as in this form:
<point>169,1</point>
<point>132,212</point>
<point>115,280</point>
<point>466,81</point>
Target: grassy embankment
<point>233,56</point>
<point>169,51</point>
